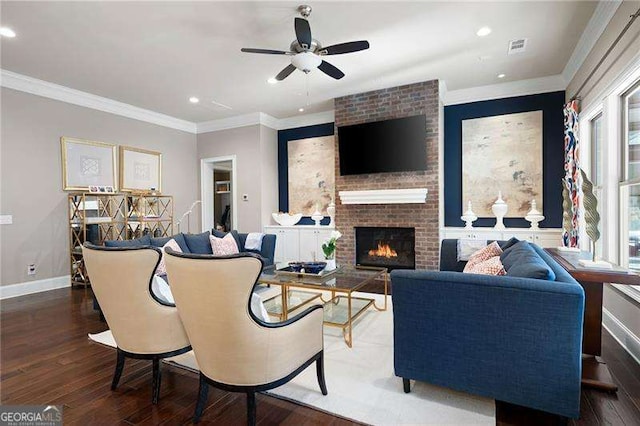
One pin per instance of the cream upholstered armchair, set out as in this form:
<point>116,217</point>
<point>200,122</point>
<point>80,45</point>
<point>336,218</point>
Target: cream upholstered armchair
<point>235,350</point>
<point>143,326</point>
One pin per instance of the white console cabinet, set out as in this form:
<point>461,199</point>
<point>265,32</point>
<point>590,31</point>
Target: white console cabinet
<point>544,237</point>
<point>299,243</point>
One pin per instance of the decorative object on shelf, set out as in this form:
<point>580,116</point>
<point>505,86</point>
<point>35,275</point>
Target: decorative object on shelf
<point>87,163</point>
<point>140,170</point>
<point>329,250</point>
<point>592,221</point>
<point>107,189</point>
<point>187,215</point>
<point>317,216</point>
<point>223,187</point>
<point>492,159</point>
<point>286,219</point>
<point>469,217</point>
<point>499,209</point>
<point>331,211</point>
<point>534,216</point>
<point>567,224</point>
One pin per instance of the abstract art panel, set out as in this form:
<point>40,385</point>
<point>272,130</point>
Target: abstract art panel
<point>87,163</point>
<point>502,153</point>
<point>140,169</point>
<point>311,174</point>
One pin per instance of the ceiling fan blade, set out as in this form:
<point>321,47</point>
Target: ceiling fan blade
<point>330,70</point>
<point>285,72</point>
<point>303,32</point>
<point>266,51</point>
<point>352,46</point>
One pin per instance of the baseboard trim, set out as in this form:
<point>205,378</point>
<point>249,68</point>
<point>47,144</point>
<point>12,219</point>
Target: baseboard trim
<point>31,287</point>
<point>629,341</point>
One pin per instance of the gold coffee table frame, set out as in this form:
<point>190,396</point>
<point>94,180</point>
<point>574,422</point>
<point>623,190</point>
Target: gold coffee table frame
<point>341,285</point>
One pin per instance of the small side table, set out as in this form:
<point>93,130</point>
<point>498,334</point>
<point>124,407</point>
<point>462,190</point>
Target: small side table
<point>595,373</point>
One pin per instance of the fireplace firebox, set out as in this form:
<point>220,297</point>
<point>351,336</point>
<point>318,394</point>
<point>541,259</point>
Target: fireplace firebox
<point>392,248</point>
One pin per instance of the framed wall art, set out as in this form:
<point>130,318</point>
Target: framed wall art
<point>502,153</point>
<point>140,170</point>
<point>87,163</point>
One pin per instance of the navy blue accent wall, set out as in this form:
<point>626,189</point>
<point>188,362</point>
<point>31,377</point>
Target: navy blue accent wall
<point>284,136</point>
<point>551,105</point>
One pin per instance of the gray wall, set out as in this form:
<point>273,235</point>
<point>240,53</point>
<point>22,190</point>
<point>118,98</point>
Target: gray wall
<point>623,308</point>
<point>31,175</point>
<point>256,151</point>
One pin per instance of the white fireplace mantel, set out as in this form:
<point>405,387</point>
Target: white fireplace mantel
<point>385,196</point>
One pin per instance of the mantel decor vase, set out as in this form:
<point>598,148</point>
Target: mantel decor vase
<point>317,216</point>
<point>499,210</point>
<point>331,211</point>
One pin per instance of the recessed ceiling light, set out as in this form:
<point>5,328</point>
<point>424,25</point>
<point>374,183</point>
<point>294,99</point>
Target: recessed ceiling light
<point>502,75</point>
<point>484,31</point>
<point>7,32</point>
<point>300,109</point>
<point>272,80</point>
<point>194,100</point>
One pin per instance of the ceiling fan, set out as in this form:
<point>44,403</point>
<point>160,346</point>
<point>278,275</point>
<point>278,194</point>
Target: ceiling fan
<point>306,52</point>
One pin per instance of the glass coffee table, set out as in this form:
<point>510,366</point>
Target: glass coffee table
<point>340,310</point>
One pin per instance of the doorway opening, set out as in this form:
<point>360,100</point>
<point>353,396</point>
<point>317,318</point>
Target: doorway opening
<point>219,198</point>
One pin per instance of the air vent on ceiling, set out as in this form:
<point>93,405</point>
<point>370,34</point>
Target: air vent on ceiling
<point>517,46</point>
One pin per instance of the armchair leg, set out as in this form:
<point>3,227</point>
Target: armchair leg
<point>203,392</point>
<point>320,373</point>
<point>157,378</point>
<point>119,367</point>
<point>406,384</point>
<point>251,408</point>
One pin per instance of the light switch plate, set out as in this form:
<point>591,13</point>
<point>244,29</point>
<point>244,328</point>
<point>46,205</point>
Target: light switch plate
<point>6,219</point>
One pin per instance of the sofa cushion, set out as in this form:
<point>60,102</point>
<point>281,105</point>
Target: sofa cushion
<point>521,260</point>
<point>159,242</point>
<point>198,243</point>
<point>491,266</point>
<point>233,233</point>
<point>162,267</point>
<point>505,245</point>
<point>223,246</point>
<point>138,242</point>
<point>483,254</point>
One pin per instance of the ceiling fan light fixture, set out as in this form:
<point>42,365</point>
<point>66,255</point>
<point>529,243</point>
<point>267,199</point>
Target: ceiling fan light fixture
<point>306,61</point>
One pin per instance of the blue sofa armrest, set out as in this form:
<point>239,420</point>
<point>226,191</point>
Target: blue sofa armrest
<point>268,247</point>
<point>513,339</point>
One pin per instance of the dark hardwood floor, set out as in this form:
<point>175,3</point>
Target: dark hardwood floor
<point>46,358</point>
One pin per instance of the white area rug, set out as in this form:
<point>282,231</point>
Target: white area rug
<point>361,382</point>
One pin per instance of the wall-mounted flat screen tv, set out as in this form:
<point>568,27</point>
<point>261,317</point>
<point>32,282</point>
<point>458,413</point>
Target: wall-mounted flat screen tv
<point>396,145</point>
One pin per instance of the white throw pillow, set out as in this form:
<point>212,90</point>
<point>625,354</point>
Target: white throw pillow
<point>161,290</point>
<point>466,247</point>
<point>162,267</point>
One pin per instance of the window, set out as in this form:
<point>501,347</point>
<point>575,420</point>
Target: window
<point>630,186</point>
<point>596,150</point>
<point>595,137</point>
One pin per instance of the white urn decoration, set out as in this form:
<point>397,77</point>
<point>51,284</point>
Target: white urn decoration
<point>317,216</point>
<point>499,210</point>
<point>331,211</point>
<point>469,217</point>
<point>534,216</point>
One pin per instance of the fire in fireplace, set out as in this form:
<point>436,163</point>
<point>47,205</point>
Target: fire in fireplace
<point>392,248</point>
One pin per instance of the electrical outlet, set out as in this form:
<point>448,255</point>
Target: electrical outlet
<point>31,269</point>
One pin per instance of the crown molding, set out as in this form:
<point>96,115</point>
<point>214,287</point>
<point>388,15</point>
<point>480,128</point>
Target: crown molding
<point>509,89</point>
<point>305,120</point>
<point>265,120</point>
<point>595,27</point>
<point>34,86</point>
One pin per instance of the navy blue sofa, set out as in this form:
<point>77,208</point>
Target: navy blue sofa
<point>512,339</point>
<point>199,243</point>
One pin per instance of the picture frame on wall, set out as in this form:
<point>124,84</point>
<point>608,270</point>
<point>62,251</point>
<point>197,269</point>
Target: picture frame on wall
<point>140,170</point>
<point>87,163</point>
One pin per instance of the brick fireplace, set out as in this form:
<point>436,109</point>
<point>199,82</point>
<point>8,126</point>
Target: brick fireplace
<point>395,102</point>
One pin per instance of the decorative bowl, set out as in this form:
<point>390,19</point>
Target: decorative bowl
<point>296,266</point>
<point>286,219</point>
<point>313,267</point>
